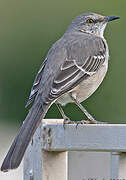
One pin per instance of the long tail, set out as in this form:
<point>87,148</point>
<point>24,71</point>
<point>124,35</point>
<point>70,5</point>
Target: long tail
<point>20,143</point>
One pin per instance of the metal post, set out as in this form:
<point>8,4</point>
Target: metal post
<point>54,152</point>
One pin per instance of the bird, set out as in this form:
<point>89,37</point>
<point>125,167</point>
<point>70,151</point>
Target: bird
<point>73,69</point>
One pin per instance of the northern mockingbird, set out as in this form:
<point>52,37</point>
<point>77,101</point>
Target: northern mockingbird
<point>72,70</point>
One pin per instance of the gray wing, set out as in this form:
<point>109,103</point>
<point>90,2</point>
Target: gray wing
<point>34,89</point>
<point>57,76</point>
<point>74,71</point>
<point>71,75</point>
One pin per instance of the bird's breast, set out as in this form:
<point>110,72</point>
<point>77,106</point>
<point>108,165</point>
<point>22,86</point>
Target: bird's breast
<point>86,88</point>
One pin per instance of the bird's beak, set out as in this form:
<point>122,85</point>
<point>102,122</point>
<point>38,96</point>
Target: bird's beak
<point>111,18</point>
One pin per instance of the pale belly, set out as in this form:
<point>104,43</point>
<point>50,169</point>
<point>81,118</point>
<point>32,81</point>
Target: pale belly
<point>85,88</point>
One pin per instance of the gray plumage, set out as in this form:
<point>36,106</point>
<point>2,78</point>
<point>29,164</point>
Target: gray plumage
<point>74,53</point>
<point>72,61</point>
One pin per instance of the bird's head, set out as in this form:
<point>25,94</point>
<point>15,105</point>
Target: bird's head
<point>91,23</point>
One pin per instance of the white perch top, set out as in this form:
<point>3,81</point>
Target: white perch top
<point>92,137</point>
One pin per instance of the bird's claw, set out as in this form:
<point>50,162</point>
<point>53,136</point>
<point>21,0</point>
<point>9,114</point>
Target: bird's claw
<point>89,121</point>
<point>93,121</point>
<point>67,121</point>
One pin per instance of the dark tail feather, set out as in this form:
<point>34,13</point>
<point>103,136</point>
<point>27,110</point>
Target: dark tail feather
<point>19,145</point>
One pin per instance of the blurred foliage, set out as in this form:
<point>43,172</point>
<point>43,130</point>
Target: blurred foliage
<point>28,28</point>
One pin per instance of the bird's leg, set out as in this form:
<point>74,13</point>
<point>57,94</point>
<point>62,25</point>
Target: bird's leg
<point>90,120</point>
<point>66,119</point>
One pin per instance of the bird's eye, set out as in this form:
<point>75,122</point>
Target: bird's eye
<point>90,21</point>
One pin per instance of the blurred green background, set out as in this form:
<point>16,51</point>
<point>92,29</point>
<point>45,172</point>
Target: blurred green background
<point>28,28</point>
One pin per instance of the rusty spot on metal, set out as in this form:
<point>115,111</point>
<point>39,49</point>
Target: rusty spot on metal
<point>49,132</point>
<point>49,139</point>
<point>46,135</point>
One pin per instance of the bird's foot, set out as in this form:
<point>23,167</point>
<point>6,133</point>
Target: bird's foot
<point>67,121</point>
<point>93,121</point>
<point>89,121</point>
